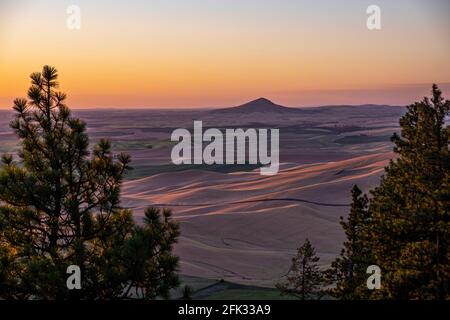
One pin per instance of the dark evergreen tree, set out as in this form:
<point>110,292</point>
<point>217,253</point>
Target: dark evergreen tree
<point>304,278</point>
<point>348,272</point>
<point>410,210</point>
<point>187,293</point>
<point>60,206</point>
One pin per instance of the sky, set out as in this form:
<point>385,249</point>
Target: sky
<point>218,53</point>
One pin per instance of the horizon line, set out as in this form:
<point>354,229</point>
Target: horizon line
<point>218,108</point>
<point>391,95</point>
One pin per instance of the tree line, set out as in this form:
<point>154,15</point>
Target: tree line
<point>402,227</point>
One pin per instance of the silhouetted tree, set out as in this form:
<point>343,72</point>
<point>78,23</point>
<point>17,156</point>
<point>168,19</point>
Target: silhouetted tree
<point>187,293</point>
<point>410,210</point>
<point>304,278</point>
<point>59,206</point>
<point>348,272</point>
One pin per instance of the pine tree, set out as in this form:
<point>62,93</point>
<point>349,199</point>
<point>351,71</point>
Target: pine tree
<point>348,272</point>
<point>410,228</point>
<point>304,278</point>
<point>187,293</point>
<point>60,206</point>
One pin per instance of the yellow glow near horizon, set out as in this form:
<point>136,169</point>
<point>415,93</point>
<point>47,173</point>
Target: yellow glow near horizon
<point>203,59</point>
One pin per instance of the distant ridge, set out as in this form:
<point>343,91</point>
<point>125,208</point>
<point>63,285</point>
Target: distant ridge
<point>261,105</point>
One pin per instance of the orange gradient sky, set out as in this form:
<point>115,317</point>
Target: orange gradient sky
<point>206,53</point>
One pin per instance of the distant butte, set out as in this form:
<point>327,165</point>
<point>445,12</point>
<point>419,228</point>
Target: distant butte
<point>259,105</point>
